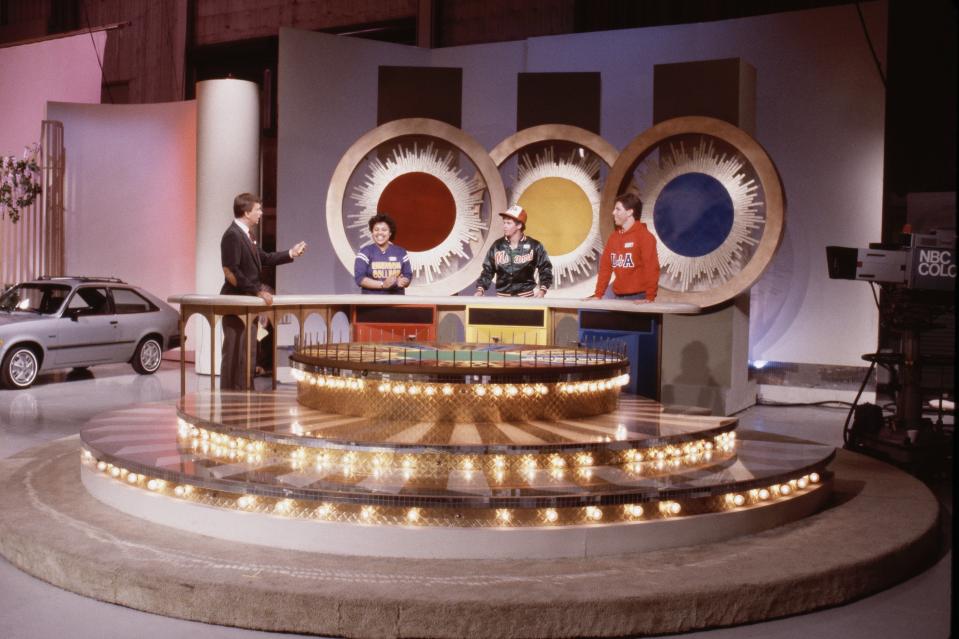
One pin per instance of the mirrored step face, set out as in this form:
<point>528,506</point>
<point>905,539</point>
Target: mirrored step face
<point>153,442</point>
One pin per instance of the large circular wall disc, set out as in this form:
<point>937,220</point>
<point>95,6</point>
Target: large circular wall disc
<point>561,194</point>
<point>422,207</point>
<point>414,184</point>
<point>713,199</point>
<point>693,214</point>
<point>560,214</point>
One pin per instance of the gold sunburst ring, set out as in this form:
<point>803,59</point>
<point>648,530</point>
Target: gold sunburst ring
<point>562,196</point>
<point>713,199</point>
<point>409,174</point>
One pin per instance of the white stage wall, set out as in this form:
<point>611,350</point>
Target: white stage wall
<point>64,69</point>
<point>820,114</point>
<point>130,196</point>
<point>327,99</point>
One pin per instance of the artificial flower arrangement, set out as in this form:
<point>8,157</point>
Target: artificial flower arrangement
<point>19,182</point>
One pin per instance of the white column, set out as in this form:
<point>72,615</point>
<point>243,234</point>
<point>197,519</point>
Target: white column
<point>227,164</point>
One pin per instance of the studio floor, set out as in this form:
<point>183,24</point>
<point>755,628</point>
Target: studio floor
<point>59,405</point>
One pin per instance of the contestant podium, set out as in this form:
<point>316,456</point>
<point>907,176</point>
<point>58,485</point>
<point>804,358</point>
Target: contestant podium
<point>508,324</point>
<point>419,449</point>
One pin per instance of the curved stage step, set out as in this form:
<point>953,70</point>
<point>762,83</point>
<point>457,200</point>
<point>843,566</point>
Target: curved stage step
<point>879,529</point>
<point>635,479</point>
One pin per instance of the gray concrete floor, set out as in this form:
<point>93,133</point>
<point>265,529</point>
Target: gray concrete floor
<point>59,404</point>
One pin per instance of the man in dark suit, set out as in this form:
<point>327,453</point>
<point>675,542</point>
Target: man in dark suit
<point>242,260</point>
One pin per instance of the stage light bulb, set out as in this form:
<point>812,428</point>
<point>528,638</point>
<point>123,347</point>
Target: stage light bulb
<point>672,507</point>
<point>785,489</point>
<point>497,391</point>
<point>551,516</point>
<point>101,466</point>
<point>430,391</point>
<point>814,478</point>
<point>499,462</point>
<point>399,389</point>
<point>594,513</point>
<point>367,513</point>
<point>246,501</point>
<point>414,390</point>
<point>413,515</point>
<point>115,471</point>
<point>447,389</point>
<point>503,516</point>
<point>802,482</point>
<point>528,391</point>
<point>481,390</point>
<point>283,506</point>
<point>739,500</point>
<point>132,478</point>
<point>634,510</point>
<point>557,462</point>
<point>512,391</point>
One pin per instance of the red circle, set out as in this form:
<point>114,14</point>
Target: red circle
<point>423,208</point>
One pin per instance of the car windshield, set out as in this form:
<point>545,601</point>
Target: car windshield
<point>45,299</point>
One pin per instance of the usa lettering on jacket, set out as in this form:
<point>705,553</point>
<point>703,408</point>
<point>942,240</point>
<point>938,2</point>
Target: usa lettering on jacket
<point>622,260</point>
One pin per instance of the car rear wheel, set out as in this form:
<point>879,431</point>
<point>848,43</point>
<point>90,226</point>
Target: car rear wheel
<point>146,359</point>
<point>20,368</point>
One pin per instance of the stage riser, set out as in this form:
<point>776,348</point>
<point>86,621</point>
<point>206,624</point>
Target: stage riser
<point>539,542</point>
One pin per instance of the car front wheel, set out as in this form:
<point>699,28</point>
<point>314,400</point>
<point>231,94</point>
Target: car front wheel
<point>146,359</point>
<point>20,368</point>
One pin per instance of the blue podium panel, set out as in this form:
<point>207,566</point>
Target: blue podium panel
<point>639,334</point>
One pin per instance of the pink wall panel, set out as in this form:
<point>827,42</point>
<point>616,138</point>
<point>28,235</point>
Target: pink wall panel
<point>131,192</point>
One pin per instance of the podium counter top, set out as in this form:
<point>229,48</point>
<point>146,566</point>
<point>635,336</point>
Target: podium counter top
<point>293,301</point>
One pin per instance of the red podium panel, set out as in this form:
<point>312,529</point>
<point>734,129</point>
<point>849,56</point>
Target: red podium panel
<point>394,323</point>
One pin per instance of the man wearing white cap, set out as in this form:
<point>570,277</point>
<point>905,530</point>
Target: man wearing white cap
<point>514,260</point>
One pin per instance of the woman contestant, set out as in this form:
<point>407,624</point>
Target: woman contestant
<point>630,253</point>
<point>382,267</point>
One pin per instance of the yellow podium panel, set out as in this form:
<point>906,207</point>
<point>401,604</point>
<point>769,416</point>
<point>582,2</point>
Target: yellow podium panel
<point>507,325</point>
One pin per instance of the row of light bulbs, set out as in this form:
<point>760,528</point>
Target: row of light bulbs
<point>593,386</point>
<point>504,516</point>
<point>226,446</point>
<point>481,390</point>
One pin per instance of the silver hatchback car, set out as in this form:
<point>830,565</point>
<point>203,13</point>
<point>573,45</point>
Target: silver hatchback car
<point>75,322</point>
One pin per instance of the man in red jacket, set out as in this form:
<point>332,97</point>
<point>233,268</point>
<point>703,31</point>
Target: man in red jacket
<point>630,253</point>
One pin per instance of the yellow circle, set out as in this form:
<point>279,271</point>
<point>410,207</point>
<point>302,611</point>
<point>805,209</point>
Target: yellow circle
<point>559,214</point>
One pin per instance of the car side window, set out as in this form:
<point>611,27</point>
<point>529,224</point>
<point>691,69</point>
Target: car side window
<point>89,301</point>
<point>52,299</point>
<point>127,301</point>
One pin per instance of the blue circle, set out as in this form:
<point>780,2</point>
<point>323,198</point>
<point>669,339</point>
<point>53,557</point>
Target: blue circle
<point>693,214</point>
